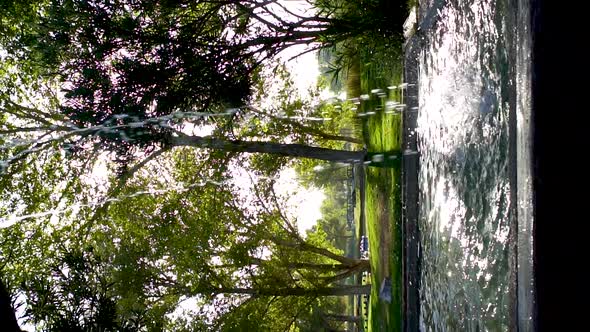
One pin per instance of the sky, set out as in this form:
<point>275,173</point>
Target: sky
<point>306,203</point>
<point>303,204</point>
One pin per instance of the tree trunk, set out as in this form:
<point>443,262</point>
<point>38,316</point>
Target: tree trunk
<point>353,78</point>
<point>342,318</point>
<point>322,134</point>
<point>323,291</point>
<point>350,262</point>
<point>280,149</point>
<point>363,265</point>
<point>325,267</point>
<point>7,316</point>
<point>356,264</point>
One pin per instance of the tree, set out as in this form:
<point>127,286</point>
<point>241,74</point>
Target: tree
<point>77,296</point>
<point>128,68</point>
<point>132,86</point>
<point>6,310</point>
<point>199,241</point>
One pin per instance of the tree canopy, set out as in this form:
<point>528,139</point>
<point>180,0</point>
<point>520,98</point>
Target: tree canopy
<point>123,69</point>
<point>149,251</point>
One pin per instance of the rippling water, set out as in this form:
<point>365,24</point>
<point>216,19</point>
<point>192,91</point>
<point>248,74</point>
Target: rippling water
<point>465,86</point>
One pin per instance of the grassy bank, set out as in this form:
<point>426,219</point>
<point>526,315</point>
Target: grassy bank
<point>382,133</point>
<point>373,66</point>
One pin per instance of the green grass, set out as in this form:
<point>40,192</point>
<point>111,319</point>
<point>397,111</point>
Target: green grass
<point>382,132</point>
<point>381,67</point>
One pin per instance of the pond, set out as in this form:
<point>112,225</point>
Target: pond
<point>473,176</point>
